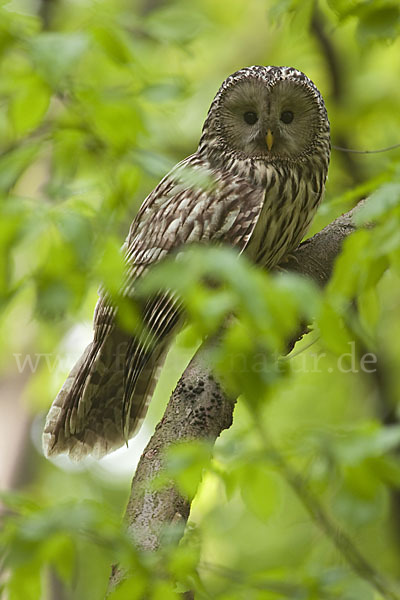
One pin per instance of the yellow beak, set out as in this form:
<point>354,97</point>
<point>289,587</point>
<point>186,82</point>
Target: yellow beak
<point>269,138</point>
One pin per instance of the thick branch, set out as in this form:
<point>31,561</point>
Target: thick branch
<point>316,256</point>
<point>198,409</point>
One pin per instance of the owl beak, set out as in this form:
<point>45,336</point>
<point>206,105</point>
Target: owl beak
<point>269,138</point>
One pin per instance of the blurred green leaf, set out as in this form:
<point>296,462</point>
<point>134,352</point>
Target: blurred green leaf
<point>14,162</point>
<point>379,203</point>
<point>369,440</point>
<point>25,582</point>
<point>111,267</point>
<point>114,42</point>
<point>55,55</point>
<point>130,589</point>
<point>183,560</point>
<point>378,22</point>
<point>186,462</point>
<point>333,330</point>
<point>260,490</point>
<point>164,591</point>
<point>176,23</point>
<point>29,104</point>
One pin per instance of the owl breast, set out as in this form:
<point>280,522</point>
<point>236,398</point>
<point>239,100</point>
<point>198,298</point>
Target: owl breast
<point>291,199</point>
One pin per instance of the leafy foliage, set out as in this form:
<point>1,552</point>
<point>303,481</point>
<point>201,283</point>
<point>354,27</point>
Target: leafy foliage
<point>98,100</point>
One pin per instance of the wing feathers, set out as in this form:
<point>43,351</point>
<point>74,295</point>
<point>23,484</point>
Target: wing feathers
<point>161,316</point>
<point>106,394</point>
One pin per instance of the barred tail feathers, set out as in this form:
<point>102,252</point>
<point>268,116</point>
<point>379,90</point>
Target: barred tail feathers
<point>86,417</point>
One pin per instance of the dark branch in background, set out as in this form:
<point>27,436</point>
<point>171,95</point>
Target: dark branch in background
<point>336,70</point>
<point>198,409</point>
<point>150,6</point>
<point>386,412</point>
<point>45,12</point>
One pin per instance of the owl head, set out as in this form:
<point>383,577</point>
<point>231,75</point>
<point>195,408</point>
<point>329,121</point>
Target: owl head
<point>273,114</point>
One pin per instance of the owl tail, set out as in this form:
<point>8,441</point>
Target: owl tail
<point>87,416</point>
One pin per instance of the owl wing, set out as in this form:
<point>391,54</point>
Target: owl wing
<point>106,395</point>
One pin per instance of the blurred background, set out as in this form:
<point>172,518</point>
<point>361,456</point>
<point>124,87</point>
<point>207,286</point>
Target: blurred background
<point>98,100</point>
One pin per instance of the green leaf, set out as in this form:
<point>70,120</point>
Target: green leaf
<point>155,165</point>
<point>164,91</point>
<point>56,54</point>
<point>15,28</point>
<point>360,481</point>
<point>29,104</point>
<point>369,440</point>
<point>183,560</point>
<point>260,490</point>
<point>25,582</point>
<point>114,116</point>
<point>76,230</point>
<point>114,43</point>
<point>334,333</point>
<point>379,203</point>
<point>59,551</point>
<point>378,22</point>
<point>344,7</point>
<point>111,267</point>
<point>369,308</point>
<point>176,23</point>
<point>387,469</point>
<point>14,163</point>
<point>186,462</point>
<point>386,240</point>
<point>351,264</point>
<point>164,590</point>
<point>133,588</point>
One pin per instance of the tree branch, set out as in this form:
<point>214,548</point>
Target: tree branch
<point>199,409</point>
<point>315,257</point>
<point>336,69</point>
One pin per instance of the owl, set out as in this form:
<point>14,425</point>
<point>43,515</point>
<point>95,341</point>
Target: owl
<point>264,151</point>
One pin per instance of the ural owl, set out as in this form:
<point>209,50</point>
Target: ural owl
<point>265,146</point>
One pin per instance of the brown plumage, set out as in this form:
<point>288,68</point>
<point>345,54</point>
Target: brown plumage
<point>254,183</point>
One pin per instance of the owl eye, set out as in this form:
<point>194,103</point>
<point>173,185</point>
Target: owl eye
<point>287,116</point>
<point>250,117</point>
